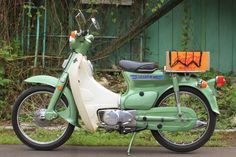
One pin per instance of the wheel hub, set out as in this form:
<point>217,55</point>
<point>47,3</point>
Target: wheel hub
<point>39,118</point>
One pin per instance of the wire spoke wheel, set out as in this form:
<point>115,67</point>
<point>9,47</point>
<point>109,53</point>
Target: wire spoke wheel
<point>188,140</point>
<point>29,120</point>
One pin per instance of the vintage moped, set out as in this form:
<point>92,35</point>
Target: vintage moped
<point>178,108</point>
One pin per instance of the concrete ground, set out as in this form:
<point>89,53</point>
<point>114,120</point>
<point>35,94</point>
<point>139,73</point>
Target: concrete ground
<point>78,151</point>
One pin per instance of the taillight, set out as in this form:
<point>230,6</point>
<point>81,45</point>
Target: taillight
<point>220,81</point>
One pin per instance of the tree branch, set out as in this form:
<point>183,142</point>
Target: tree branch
<point>137,29</point>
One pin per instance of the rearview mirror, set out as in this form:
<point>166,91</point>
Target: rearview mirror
<point>81,21</point>
<point>95,23</point>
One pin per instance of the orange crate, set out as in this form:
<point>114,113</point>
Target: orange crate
<point>179,61</point>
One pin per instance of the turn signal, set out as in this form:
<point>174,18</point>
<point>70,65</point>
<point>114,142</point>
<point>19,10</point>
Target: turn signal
<point>59,88</point>
<point>203,84</point>
<point>220,81</point>
<point>73,34</point>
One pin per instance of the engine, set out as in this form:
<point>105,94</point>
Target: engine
<point>114,119</point>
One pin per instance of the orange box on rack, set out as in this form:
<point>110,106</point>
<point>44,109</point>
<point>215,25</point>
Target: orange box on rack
<point>179,61</point>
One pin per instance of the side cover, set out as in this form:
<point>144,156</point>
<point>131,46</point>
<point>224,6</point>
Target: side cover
<point>145,89</point>
<point>166,119</point>
<point>71,113</point>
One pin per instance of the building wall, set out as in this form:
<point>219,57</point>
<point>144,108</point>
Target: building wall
<point>213,28</point>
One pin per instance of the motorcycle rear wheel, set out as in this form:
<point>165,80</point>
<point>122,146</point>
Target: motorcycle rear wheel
<point>30,128</point>
<point>186,141</point>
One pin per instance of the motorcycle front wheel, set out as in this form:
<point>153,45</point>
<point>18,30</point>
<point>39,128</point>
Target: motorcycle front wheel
<point>30,125</point>
<point>185,141</point>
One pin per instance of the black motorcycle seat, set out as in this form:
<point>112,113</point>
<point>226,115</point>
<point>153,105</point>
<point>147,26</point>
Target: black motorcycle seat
<point>138,67</point>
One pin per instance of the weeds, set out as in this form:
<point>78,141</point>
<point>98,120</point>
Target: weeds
<point>82,137</point>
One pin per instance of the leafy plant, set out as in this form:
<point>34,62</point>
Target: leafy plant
<point>3,91</point>
<point>154,5</point>
<point>9,50</point>
<point>186,38</point>
<point>227,106</point>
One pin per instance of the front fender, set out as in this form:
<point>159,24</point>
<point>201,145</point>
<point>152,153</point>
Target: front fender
<point>71,113</point>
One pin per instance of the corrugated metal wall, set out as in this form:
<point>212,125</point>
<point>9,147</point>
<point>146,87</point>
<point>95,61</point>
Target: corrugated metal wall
<point>213,29</point>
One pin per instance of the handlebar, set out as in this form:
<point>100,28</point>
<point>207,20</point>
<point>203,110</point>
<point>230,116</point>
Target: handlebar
<point>81,21</point>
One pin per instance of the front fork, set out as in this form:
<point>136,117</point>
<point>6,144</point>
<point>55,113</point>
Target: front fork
<point>62,82</point>
<point>177,94</point>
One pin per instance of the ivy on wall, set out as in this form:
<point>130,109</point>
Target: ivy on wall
<point>187,32</point>
<point>154,5</point>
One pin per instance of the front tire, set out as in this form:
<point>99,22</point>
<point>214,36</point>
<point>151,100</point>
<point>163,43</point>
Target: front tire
<point>187,141</point>
<point>28,125</point>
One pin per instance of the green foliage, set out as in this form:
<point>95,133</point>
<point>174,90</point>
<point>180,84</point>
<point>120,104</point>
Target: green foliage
<point>3,91</point>
<point>29,5</point>
<point>9,50</point>
<point>114,19</point>
<point>154,5</point>
<point>187,33</point>
<point>82,137</point>
<point>227,105</point>
<point>91,10</point>
<point>226,99</point>
<point>2,80</point>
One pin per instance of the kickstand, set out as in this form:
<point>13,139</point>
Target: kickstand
<point>131,142</point>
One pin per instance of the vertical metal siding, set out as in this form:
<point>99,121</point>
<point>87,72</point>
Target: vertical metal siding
<point>212,33</point>
<point>226,36</point>
<point>234,36</point>
<point>213,25</point>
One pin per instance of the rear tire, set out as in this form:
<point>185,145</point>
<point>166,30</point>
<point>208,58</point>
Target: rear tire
<point>26,127</point>
<point>182,147</point>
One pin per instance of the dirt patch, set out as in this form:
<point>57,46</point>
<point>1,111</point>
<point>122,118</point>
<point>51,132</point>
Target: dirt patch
<point>5,123</point>
<point>230,138</point>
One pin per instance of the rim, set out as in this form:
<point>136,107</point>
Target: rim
<point>40,131</point>
<point>185,138</point>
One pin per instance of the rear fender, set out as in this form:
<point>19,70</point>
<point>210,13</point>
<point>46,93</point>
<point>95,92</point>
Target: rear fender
<point>209,92</point>
<point>71,113</point>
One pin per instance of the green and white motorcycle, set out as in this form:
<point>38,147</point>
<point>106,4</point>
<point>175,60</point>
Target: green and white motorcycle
<point>180,110</point>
